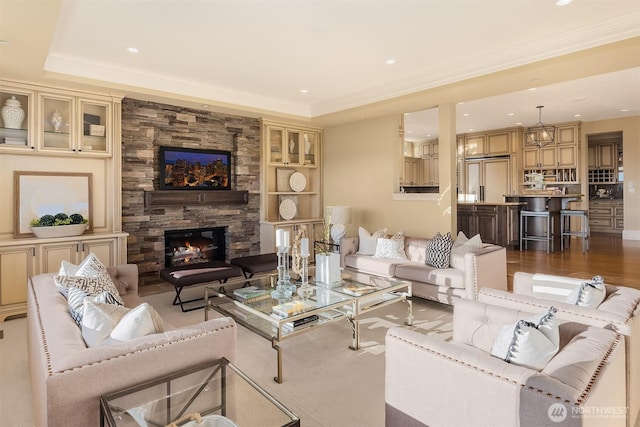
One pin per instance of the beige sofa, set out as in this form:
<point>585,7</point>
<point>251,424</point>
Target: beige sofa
<point>432,382</point>
<point>67,378</point>
<point>620,312</point>
<point>486,267</point>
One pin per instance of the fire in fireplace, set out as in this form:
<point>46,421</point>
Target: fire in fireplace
<point>194,246</point>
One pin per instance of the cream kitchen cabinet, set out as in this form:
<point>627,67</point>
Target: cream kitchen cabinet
<point>601,156</point>
<point>17,265</point>
<point>489,144</point>
<point>430,171</point>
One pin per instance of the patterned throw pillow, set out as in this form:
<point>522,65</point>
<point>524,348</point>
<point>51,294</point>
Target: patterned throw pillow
<point>89,267</point>
<point>392,248</point>
<point>438,251</point>
<point>92,285</point>
<point>76,297</point>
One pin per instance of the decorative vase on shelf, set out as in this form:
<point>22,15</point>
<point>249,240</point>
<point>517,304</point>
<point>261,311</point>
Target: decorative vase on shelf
<point>12,114</point>
<point>56,121</point>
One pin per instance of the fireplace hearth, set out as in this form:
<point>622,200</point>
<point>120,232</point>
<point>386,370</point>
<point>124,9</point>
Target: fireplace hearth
<point>194,246</point>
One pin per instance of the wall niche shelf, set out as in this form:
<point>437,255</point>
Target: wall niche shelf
<point>189,197</point>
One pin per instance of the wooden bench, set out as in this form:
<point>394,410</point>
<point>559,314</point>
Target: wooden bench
<point>196,274</point>
<point>253,264</point>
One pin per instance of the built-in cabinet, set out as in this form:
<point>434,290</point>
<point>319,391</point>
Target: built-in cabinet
<point>62,130</point>
<point>57,123</point>
<point>558,162</point>
<point>430,163</point>
<point>292,180</point>
<point>493,143</point>
<point>602,163</point>
<point>606,215</point>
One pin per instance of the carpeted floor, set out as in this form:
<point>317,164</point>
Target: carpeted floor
<point>325,383</point>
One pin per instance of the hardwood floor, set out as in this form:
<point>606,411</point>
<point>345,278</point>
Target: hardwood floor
<point>616,260</point>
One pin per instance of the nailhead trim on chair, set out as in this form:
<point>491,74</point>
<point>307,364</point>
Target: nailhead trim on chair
<point>579,401</point>
<point>626,322</point>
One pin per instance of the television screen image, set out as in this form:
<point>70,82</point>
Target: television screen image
<point>194,169</point>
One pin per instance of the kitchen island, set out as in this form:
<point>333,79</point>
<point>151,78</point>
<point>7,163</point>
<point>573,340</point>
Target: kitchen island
<point>541,202</point>
<point>497,223</point>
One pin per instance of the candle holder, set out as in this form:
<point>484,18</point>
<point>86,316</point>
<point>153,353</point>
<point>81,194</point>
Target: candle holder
<point>305,290</point>
<point>283,290</point>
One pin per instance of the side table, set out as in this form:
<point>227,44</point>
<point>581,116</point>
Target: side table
<point>213,389</point>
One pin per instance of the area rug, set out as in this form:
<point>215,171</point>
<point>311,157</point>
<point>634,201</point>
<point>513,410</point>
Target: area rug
<point>325,383</point>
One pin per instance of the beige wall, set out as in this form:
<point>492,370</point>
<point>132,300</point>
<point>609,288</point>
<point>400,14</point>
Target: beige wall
<point>630,128</point>
<point>361,164</point>
<point>362,161</point>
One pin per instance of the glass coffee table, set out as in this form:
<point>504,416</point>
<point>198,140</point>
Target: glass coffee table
<point>253,307</point>
<point>216,392</point>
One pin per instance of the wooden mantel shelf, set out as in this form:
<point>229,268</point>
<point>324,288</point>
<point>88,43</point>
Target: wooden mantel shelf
<point>194,197</point>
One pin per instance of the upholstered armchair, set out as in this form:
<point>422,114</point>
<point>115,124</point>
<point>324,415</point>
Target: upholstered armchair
<point>453,383</point>
<point>619,312</point>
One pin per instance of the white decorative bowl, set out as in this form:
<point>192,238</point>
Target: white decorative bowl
<point>59,230</point>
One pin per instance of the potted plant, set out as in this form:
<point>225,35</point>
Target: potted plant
<point>59,225</point>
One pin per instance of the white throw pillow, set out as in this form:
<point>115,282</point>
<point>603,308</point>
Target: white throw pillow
<point>368,242</point>
<point>107,323</point>
<point>469,245</point>
<point>461,239</point>
<point>531,343</point>
<point>392,248</point>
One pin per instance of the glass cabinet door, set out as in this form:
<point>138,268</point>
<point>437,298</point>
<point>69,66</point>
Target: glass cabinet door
<point>310,147</point>
<point>15,119</point>
<point>94,132</point>
<point>275,138</point>
<point>293,147</point>
<point>57,122</point>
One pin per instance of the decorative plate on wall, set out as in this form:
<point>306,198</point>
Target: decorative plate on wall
<point>288,209</point>
<point>297,181</point>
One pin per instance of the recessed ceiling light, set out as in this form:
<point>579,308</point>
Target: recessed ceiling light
<point>205,105</point>
<point>518,123</point>
<point>466,114</point>
<point>304,91</point>
<point>563,2</point>
<point>5,42</point>
<point>531,89</point>
<point>511,114</point>
<point>471,129</point>
<point>390,61</point>
<point>624,110</point>
<point>577,115</point>
<point>133,50</point>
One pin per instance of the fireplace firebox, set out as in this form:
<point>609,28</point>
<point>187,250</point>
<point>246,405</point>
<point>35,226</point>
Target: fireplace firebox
<point>194,246</point>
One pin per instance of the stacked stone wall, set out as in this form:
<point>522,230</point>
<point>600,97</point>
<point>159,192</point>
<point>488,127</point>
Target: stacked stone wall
<point>145,127</point>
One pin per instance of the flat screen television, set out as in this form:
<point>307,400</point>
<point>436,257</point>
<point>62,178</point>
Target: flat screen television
<point>194,169</point>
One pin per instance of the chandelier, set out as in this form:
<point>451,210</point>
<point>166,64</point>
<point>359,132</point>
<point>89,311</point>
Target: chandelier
<point>540,134</point>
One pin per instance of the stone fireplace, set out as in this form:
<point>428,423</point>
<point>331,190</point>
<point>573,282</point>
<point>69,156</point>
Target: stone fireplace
<point>146,126</point>
<point>194,246</point>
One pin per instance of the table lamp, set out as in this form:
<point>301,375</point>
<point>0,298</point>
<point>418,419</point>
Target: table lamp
<point>338,216</point>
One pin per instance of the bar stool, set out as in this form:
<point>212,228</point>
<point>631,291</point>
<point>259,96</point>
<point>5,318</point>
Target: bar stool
<point>524,229</point>
<point>565,224</point>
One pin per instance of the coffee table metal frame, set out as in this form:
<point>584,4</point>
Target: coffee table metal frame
<point>218,368</point>
<point>256,316</point>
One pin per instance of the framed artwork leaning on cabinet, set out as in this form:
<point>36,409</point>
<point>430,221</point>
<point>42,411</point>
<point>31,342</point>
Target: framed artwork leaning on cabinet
<point>40,193</point>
